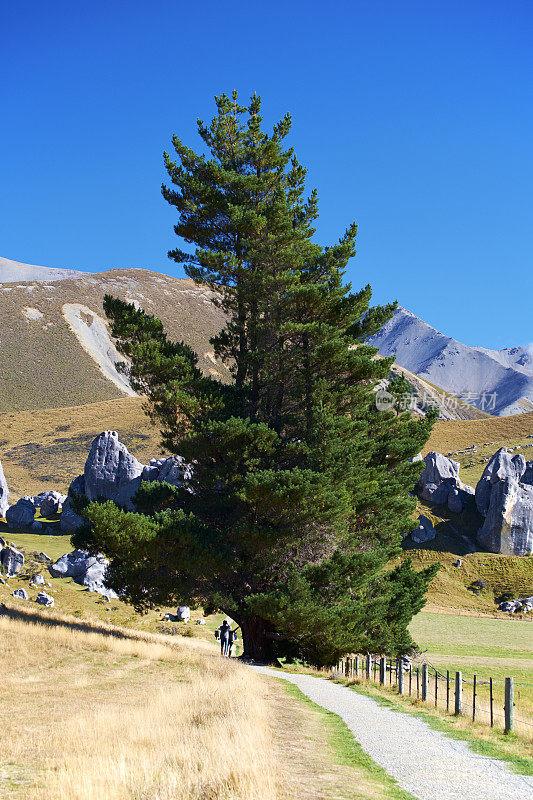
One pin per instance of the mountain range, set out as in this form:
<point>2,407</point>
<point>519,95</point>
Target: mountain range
<point>55,349</point>
<point>499,382</point>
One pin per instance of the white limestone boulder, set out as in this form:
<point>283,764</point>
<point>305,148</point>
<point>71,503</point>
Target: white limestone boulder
<point>21,515</point>
<point>424,532</point>
<point>111,472</point>
<point>12,560</point>
<point>85,569</point>
<point>439,476</point>
<point>502,465</point>
<point>4,493</point>
<point>45,599</point>
<point>508,525</point>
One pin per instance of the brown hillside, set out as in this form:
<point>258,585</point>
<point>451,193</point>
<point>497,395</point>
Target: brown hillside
<point>42,363</point>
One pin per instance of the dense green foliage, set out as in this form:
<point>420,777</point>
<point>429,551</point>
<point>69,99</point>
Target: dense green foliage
<point>300,488</point>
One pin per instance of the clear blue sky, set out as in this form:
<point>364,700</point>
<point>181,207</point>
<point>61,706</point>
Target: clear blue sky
<point>414,118</point>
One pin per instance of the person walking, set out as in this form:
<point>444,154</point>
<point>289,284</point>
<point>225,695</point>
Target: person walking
<point>226,637</point>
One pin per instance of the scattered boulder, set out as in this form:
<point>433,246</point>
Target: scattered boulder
<point>70,521</point>
<point>200,621</point>
<point>50,503</point>
<point>508,526</point>
<point>523,605</point>
<point>22,514</point>
<point>457,563</point>
<point>22,594</point>
<point>439,476</point>
<point>502,465</point>
<point>183,613</point>
<point>111,472</point>
<point>85,569</point>
<point>4,493</point>
<point>12,560</point>
<point>173,470</point>
<point>45,600</point>
<point>37,580</point>
<point>458,498</point>
<point>425,531</point>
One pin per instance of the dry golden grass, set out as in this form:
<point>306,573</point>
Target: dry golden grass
<point>108,714</point>
<point>46,449</point>
<point>456,435</point>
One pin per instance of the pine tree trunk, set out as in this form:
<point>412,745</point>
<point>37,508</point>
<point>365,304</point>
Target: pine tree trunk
<point>257,645</point>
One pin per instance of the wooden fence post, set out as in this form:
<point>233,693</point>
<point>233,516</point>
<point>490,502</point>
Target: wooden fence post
<point>491,704</point>
<point>399,672</point>
<point>447,690</point>
<point>368,667</point>
<point>458,693</point>
<point>410,679</point>
<point>425,682</point>
<point>382,670</point>
<point>436,688</point>
<point>509,705</point>
<point>357,666</point>
<point>474,700</point>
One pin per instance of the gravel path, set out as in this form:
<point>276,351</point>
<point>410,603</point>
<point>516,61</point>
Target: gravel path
<point>425,762</point>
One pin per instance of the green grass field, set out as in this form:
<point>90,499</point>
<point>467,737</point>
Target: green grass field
<point>487,648</point>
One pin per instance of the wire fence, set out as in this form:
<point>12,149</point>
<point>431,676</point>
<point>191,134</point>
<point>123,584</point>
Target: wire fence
<point>499,703</point>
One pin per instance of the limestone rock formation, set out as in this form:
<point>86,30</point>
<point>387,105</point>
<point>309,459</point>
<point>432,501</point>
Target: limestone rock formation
<point>173,470</point>
<point>12,560</point>
<point>4,493</point>
<point>70,521</point>
<point>22,514</point>
<point>508,526</point>
<point>425,531</point>
<point>440,475</point>
<point>111,472</point>
<point>183,613</point>
<point>501,465</point>
<point>49,502</point>
<point>21,593</point>
<point>523,605</point>
<point>45,599</point>
<point>85,569</point>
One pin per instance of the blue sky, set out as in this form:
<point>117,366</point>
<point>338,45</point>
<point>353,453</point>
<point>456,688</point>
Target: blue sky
<point>414,118</point>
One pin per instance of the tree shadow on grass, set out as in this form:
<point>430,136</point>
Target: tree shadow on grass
<point>33,617</point>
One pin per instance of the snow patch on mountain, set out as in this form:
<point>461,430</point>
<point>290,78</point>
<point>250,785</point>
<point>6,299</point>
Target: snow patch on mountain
<point>499,382</point>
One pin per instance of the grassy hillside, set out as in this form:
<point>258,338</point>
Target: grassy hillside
<point>46,449</point>
<point>72,599</point>
<point>104,712</point>
<point>42,363</point>
<point>488,435</point>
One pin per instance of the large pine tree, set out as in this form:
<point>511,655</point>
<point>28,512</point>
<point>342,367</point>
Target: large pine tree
<point>300,492</point>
